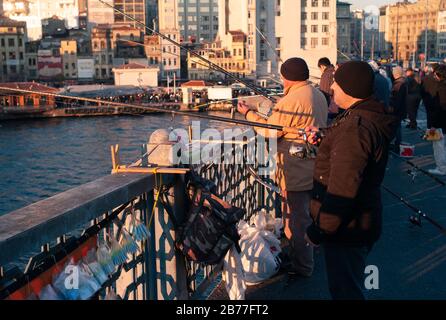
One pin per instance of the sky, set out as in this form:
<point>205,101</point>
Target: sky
<point>361,4</point>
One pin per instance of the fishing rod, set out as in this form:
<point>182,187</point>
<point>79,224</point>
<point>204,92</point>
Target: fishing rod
<point>162,110</point>
<point>415,219</point>
<point>192,52</point>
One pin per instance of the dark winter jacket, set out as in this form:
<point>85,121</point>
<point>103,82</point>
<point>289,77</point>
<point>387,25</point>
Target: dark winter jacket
<point>346,205</point>
<point>433,93</point>
<point>381,89</point>
<point>327,80</point>
<point>398,97</point>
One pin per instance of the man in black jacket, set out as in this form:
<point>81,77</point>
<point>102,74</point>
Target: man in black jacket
<point>398,101</point>
<point>346,204</point>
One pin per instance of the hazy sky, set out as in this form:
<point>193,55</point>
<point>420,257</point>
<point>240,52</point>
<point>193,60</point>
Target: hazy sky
<point>360,4</point>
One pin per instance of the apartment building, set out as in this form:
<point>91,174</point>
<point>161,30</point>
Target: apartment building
<point>12,50</point>
<point>198,20</point>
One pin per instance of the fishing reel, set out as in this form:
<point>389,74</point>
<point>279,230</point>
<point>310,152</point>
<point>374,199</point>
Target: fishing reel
<point>305,151</point>
<point>415,220</point>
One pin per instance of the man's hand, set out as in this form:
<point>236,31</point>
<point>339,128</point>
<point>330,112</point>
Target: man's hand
<point>309,243</point>
<point>243,108</point>
<point>313,136</point>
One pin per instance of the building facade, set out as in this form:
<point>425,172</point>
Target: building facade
<point>136,9</point>
<point>169,26</point>
<point>34,11</point>
<point>12,50</point>
<point>102,52</point>
<point>344,20</point>
<point>232,58</point>
<point>408,24</point>
<point>441,31</point>
<point>307,29</point>
<point>68,52</point>
<point>99,13</point>
<point>198,20</point>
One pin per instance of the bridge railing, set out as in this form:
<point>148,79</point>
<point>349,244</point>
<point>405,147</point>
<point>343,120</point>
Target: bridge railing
<point>40,236</point>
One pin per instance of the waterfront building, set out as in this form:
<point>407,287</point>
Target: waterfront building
<point>231,58</point>
<point>198,20</point>
<point>20,100</point>
<point>102,51</point>
<point>34,11</point>
<point>68,51</point>
<point>169,26</point>
<point>406,29</point>
<point>12,50</point>
<point>152,45</point>
<point>31,49</point>
<point>137,75</point>
<point>49,60</point>
<point>344,20</point>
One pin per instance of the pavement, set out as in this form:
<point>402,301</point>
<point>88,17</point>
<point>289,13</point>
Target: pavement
<point>411,260</point>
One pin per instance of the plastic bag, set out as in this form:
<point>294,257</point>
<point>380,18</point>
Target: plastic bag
<point>81,284</point>
<point>233,275</point>
<point>48,293</point>
<point>260,246</point>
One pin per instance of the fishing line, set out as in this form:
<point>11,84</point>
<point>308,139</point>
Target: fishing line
<point>192,52</point>
<point>162,110</point>
<point>419,214</point>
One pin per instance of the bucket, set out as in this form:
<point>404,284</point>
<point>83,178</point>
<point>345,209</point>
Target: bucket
<point>407,150</point>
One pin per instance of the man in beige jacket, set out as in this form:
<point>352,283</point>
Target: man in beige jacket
<point>301,107</point>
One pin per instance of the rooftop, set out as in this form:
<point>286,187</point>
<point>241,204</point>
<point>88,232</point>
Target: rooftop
<point>31,86</point>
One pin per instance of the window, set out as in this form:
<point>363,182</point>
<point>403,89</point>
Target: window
<point>325,3</point>
<point>314,3</point>
<point>11,42</point>
<point>314,42</point>
<point>314,28</point>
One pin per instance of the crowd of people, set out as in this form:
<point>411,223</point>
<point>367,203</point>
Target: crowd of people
<point>354,118</point>
<point>403,92</point>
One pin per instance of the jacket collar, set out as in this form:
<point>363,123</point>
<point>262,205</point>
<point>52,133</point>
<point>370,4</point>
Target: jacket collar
<point>296,87</point>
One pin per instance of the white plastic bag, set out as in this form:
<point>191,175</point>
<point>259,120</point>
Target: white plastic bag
<point>233,275</point>
<point>48,293</point>
<point>260,248</point>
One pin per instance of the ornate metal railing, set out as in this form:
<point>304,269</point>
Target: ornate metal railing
<point>102,212</point>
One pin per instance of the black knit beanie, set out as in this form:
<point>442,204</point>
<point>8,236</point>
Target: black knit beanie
<point>356,78</point>
<point>295,69</point>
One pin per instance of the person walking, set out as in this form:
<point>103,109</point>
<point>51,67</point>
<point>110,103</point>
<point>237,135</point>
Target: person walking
<point>302,105</point>
<point>439,120</point>
<point>413,98</point>
<point>346,202</point>
<point>398,102</point>
<point>429,88</point>
<point>327,79</point>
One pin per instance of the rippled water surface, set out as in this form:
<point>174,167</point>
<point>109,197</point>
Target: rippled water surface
<point>40,158</point>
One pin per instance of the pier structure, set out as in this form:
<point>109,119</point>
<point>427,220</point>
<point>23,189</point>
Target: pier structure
<point>42,237</point>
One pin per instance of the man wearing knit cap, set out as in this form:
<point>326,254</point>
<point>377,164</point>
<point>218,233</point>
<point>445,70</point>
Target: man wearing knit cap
<point>398,99</point>
<point>346,202</point>
<point>302,106</point>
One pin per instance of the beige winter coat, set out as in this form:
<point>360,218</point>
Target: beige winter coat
<point>301,107</point>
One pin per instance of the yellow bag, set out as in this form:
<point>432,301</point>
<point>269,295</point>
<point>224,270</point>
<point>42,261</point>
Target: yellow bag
<point>433,135</point>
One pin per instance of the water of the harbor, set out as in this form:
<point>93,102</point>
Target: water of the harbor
<point>40,158</point>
